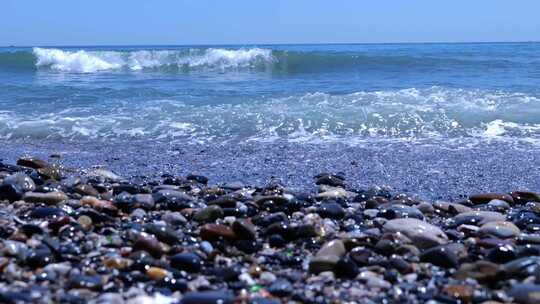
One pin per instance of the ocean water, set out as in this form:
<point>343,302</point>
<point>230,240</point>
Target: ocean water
<point>298,93</point>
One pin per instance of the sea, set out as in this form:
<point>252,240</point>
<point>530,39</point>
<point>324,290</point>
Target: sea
<point>397,110</point>
<point>352,93</point>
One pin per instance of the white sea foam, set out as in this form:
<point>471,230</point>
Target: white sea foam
<point>83,61</point>
<point>410,114</point>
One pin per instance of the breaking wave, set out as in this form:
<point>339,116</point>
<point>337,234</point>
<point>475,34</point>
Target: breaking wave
<point>223,59</point>
<point>93,61</point>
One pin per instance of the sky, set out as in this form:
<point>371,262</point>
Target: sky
<point>175,22</point>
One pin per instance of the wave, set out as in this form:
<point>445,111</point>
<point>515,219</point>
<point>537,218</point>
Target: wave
<point>393,114</point>
<point>93,61</point>
<point>222,59</point>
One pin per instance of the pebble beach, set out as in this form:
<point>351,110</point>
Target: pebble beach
<point>91,235</point>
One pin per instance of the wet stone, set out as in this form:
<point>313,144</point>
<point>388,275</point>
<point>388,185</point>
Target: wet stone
<point>331,210</point>
<point>423,234</point>
<point>280,288</point>
<point>502,254</point>
<point>32,162</point>
<point>477,218</point>
<point>189,262</point>
<point>244,229</point>
<point>487,197</point>
<point>330,180</point>
<point>525,293</point>
<point>49,198</point>
<point>209,214</point>
<point>92,282</point>
<point>14,186</point>
<point>400,211</point>
<point>442,256</point>
<point>213,232</point>
<point>327,257</point>
<point>208,297</point>
<point>149,244</point>
<point>499,229</point>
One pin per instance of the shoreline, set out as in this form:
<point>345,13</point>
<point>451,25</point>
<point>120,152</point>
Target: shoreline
<point>430,170</point>
<point>92,235</point>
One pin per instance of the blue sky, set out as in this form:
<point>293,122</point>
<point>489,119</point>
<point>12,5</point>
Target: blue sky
<point>106,22</point>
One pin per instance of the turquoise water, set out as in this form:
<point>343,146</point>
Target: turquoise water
<point>300,93</point>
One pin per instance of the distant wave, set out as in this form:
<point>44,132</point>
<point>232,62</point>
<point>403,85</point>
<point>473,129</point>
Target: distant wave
<point>93,61</point>
<point>221,59</point>
<point>393,114</point>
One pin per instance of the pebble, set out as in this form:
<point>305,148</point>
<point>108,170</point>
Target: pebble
<point>93,236</point>
<point>499,229</point>
<point>525,293</point>
<point>478,218</point>
<point>207,297</point>
<point>213,232</point>
<point>209,214</point>
<point>327,257</point>
<point>443,256</point>
<point>189,262</point>
<point>331,210</point>
<point>49,198</point>
<point>485,198</point>
<point>423,234</point>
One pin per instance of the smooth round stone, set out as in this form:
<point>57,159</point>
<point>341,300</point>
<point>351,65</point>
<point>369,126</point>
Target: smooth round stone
<point>39,258</point>
<point>280,288</point>
<point>502,254</point>
<point>277,241</point>
<point>327,257</point>
<point>14,186</point>
<point>346,268</point>
<point>422,234</point>
<point>523,267</point>
<point>331,210</point>
<point>522,197</point>
<point>337,193</point>
<point>46,212</point>
<point>92,282</point>
<point>483,271</point>
<point>330,180</point>
<point>49,198</point>
<point>244,229</point>
<point>499,229</point>
<point>85,222</point>
<point>361,255</point>
<point>189,262</point>
<point>156,273</point>
<point>32,162</point>
<point>149,244</point>
<point>197,178</point>
<point>485,198</point>
<point>208,297</point>
<point>400,211</point>
<point>451,207</point>
<point>209,214</point>
<point>163,233</point>
<point>50,172</point>
<point>462,292</point>
<point>498,205</point>
<point>525,293</point>
<point>224,201</point>
<point>213,232</point>
<point>106,174</point>
<point>442,256</point>
<point>478,218</point>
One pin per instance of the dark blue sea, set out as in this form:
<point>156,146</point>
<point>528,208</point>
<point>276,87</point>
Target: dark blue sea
<point>353,93</point>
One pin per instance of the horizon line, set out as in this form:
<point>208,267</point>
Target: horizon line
<point>270,44</point>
